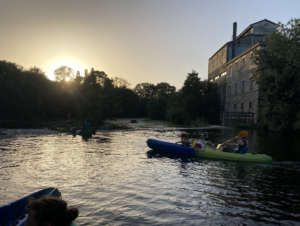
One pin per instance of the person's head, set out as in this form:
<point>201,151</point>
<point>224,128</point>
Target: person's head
<point>183,135</point>
<point>50,211</point>
<point>243,134</point>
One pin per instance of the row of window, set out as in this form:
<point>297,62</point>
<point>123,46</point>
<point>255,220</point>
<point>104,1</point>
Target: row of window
<point>242,87</point>
<point>242,106</point>
<point>243,65</point>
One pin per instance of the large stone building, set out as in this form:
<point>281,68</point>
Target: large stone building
<point>230,67</point>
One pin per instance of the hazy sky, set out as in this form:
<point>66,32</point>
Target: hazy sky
<point>140,40</point>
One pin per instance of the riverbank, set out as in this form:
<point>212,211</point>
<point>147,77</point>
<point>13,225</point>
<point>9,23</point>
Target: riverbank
<point>58,127</point>
<point>146,123</point>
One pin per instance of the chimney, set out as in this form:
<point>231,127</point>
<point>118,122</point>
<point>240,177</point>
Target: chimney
<point>234,39</point>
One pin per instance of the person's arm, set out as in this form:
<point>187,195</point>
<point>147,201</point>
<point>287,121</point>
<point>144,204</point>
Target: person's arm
<point>242,143</point>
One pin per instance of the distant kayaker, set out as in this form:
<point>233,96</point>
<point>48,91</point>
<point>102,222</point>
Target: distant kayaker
<point>50,211</point>
<point>242,145</point>
<point>87,124</point>
<point>184,140</point>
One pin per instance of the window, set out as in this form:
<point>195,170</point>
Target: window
<point>243,86</point>
<point>250,105</point>
<point>230,71</point>
<point>251,57</point>
<point>251,84</point>
<point>229,90</point>
<point>244,64</point>
<point>242,106</point>
<point>235,88</point>
<point>234,106</point>
<point>236,68</point>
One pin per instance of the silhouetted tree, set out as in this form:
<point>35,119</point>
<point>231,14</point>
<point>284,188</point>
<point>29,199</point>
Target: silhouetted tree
<point>64,72</point>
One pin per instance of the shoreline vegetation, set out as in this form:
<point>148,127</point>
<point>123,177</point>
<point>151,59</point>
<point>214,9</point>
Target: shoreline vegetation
<point>27,96</point>
<point>63,126</point>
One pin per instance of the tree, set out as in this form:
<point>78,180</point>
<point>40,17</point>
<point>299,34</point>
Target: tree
<point>121,82</point>
<point>94,79</point>
<point>145,90</point>
<point>157,107</point>
<point>278,77</point>
<point>64,72</point>
<point>192,84</point>
<point>196,99</point>
<point>166,87</point>
<point>78,79</point>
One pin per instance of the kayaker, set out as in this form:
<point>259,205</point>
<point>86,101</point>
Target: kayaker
<point>71,128</point>
<point>242,145</point>
<point>184,140</point>
<point>87,124</point>
<point>50,211</point>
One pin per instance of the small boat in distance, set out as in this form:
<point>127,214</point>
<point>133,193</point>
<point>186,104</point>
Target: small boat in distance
<point>86,133</point>
<point>206,153</point>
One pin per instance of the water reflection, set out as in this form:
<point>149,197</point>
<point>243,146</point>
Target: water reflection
<point>114,179</point>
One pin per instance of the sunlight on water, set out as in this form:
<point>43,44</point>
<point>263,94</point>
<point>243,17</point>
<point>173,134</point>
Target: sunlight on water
<point>115,179</point>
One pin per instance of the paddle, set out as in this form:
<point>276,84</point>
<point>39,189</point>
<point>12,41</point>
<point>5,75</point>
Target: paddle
<point>220,145</point>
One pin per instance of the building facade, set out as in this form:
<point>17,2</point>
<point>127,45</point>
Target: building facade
<point>231,66</point>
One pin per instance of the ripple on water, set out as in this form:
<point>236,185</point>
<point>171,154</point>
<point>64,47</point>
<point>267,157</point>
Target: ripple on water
<point>114,179</point>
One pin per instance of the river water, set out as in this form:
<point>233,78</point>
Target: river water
<point>115,179</point>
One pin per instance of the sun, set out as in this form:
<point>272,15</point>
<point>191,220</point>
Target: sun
<point>75,64</point>
<point>67,79</point>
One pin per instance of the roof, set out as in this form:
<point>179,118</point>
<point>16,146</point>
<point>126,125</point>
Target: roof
<point>219,50</point>
<point>241,34</point>
<point>251,25</point>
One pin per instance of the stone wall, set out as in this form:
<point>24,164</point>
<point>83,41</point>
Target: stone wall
<point>237,98</point>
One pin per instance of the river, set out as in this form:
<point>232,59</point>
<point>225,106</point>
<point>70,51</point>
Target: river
<point>115,179</point>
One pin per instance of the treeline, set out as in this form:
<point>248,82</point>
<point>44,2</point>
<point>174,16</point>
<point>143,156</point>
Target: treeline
<point>27,94</point>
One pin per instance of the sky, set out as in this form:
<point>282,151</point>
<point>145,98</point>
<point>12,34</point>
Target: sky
<point>140,40</point>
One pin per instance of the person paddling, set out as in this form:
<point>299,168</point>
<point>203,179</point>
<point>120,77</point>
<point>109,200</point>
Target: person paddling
<point>184,140</point>
<point>87,124</point>
<point>242,145</point>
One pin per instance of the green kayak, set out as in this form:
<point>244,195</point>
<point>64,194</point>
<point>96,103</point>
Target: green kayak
<point>206,153</point>
<point>86,133</point>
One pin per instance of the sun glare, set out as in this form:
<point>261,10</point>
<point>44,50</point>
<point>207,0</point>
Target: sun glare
<point>67,79</point>
<point>64,61</point>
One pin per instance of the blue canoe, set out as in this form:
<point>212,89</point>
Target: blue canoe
<point>205,153</point>
<point>16,212</point>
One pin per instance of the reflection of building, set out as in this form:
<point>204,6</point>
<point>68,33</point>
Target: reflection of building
<point>230,67</point>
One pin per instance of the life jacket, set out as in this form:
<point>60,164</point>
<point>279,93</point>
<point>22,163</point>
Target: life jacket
<point>241,149</point>
<point>186,143</point>
<point>87,125</point>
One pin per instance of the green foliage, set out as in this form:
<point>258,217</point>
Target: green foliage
<point>196,99</point>
<point>278,77</point>
<point>157,107</point>
<point>30,95</point>
<point>129,102</point>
